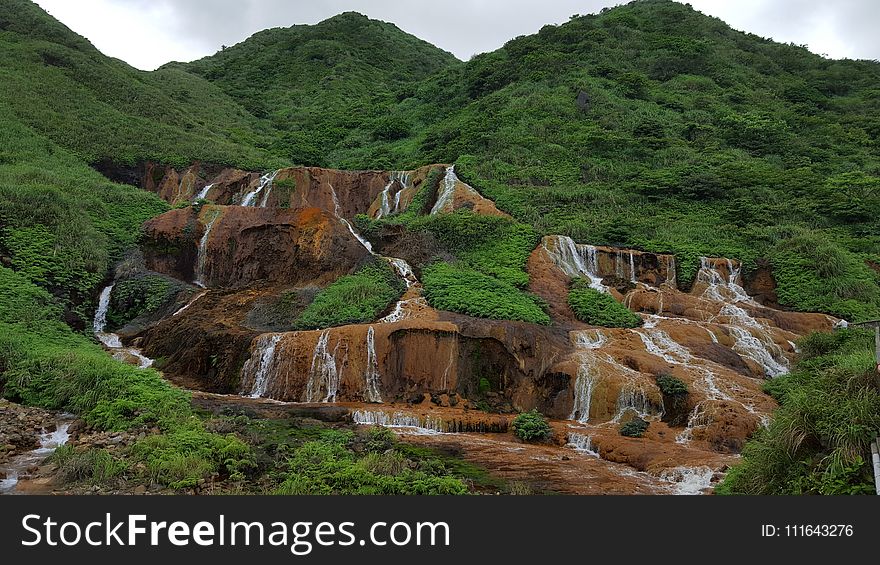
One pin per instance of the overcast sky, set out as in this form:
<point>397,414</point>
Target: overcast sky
<point>149,33</point>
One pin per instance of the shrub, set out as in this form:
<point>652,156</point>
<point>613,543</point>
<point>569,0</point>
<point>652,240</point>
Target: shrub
<point>531,426</point>
<point>634,428</point>
<point>353,299</point>
<point>818,441</point>
<point>459,288</point>
<point>671,386</point>
<point>598,308</point>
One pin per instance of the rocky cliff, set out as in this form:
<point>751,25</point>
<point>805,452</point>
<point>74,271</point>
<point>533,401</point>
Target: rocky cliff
<point>291,230</point>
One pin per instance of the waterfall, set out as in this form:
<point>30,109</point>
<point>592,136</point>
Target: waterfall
<point>430,424</point>
<point>583,387</point>
<point>110,340</point>
<point>261,363</point>
<point>351,229</point>
<point>367,245</point>
<point>404,179</point>
<point>203,251</point>
<point>12,469</point>
<point>447,191</point>
<point>385,203</point>
<point>203,193</point>
<point>143,360</point>
<point>575,260</point>
<point>720,289</point>
<point>265,184</point>
<point>588,339</point>
<point>758,351</point>
<point>399,312</point>
<point>632,398</point>
<point>323,374</point>
<point>698,419</point>
<point>657,342</point>
<point>671,271</point>
<point>404,270</point>
<point>189,303</point>
<point>689,480</point>
<point>385,207</point>
<point>762,350</point>
<point>632,268</point>
<point>582,443</point>
<point>372,378</point>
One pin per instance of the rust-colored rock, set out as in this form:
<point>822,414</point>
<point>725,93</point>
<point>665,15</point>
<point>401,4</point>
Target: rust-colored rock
<point>249,245</point>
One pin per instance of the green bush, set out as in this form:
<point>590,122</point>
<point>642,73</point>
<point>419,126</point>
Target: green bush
<point>137,296</point>
<point>327,467</point>
<point>634,428</point>
<point>531,426</point>
<point>598,308</point>
<point>353,299</point>
<point>45,364</point>
<point>459,288</point>
<point>818,441</point>
<point>671,386</point>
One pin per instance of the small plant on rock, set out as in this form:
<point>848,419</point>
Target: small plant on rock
<point>531,426</point>
<point>634,428</point>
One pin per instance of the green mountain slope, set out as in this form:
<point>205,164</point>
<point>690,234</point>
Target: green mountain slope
<point>649,125</point>
<point>328,86</point>
<point>102,109</point>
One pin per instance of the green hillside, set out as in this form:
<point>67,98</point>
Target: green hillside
<point>648,125</point>
<point>330,88</point>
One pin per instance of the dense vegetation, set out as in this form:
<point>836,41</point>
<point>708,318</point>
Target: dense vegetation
<point>330,91</point>
<point>353,299</point>
<point>648,125</point>
<point>818,442</point>
<point>45,364</point>
<point>599,308</point>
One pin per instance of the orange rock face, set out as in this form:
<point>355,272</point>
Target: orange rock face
<point>450,372</point>
<point>251,245</point>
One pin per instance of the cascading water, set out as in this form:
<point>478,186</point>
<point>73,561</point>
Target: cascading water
<point>202,259</point>
<point>385,207</point>
<point>759,348</point>
<point>689,480</point>
<point>203,193</point>
<point>759,351</point>
<point>49,441</point>
<point>367,245</point>
<point>430,425</point>
<point>582,443</point>
<point>404,270</point>
<point>632,268</point>
<point>189,303</point>
<point>632,398</point>
<point>404,179</point>
<point>323,383</point>
<point>110,340</point>
<point>447,191</point>
<point>372,378</point>
<point>583,387</point>
<point>575,260</point>
<point>588,339</point>
<point>259,366</point>
<point>671,272</point>
<point>265,187</point>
